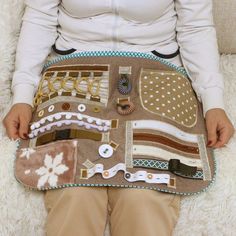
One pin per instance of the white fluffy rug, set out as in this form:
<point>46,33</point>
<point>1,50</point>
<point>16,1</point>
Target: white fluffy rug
<point>22,212</point>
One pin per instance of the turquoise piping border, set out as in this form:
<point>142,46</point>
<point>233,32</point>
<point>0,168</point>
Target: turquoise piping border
<point>123,54</point>
<point>116,54</point>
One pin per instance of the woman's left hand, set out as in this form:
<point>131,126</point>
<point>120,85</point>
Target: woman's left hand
<point>219,128</point>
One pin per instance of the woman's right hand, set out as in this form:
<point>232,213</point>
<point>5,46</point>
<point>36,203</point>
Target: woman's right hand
<point>17,121</point>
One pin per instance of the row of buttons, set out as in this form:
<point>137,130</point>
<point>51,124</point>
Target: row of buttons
<point>66,106</point>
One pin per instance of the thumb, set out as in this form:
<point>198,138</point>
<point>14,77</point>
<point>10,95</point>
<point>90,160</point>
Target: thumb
<point>211,133</point>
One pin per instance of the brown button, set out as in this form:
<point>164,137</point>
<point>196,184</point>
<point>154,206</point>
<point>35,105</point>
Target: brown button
<point>65,106</point>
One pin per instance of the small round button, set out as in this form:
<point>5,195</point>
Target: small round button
<point>105,173</point>
<point>81,108</point>
<point>150,176</point>
<point>41,113</point>
<point>51,108</point>
<point>32,127</point>
<point>105,150</point>
<point>79,117</point>
<point>65,106</point>
<point>127,175</point>
<point>96,109</point>
<point>98,122</point>
<point>90,120</point>
<point>58,116</point>
<point>37,125</point>
<point>68,116</point>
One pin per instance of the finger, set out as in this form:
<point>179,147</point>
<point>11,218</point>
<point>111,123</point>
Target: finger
<point>24,127</point>
<point>12,129</point>
<point>211,134</point>
<point>223,137</point>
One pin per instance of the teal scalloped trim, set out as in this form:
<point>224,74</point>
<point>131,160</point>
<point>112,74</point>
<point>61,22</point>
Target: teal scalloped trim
<point>116,54</point>
<point>134,186</point>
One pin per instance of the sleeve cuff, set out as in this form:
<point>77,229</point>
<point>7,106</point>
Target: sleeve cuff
<point>212,98</point>
<point>23,93</point>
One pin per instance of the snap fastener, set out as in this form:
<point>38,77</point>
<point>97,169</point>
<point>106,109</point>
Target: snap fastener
<point>149,176</point>
<point>124,84</point>
<point>41,113</point>
<point>51,108</point>
<point>65,106</point>
<point>105,173</point>
<point>105,150</point>
<point>96,109</point>
<point>81,108</point>
<point>125,107</point>
<point>127,175</point>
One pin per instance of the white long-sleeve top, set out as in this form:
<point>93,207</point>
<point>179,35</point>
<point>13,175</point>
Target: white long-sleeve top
<point>121,25</point>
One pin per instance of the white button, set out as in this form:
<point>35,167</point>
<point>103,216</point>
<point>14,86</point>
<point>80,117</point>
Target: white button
<point>105,150</point>
<point>105,128</point>
<point>80,123</point>
<point>98,122</point>
<point>68,122</point>
<point>87,126</point>
<point>100,128</point>
<point>90,120</point>
<point>58,116</point>
<point>81,107</point>
<point>37,125</point>
<point>51,108</point>
<point>79,117</point>
<point>31,135</point>
<point>68,116</point>
<point>108,123</point>
<point>50,118</point>
<point>32,127</point>
<point>59,124</point>
<point>42,121</point>
<point>42,130</point>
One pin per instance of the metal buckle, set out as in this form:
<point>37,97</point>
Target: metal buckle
<point>176,167</point>
<point>62,134</point>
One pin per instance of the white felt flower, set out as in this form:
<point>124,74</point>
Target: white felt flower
<point>51,170</point>
<point>26,152</point>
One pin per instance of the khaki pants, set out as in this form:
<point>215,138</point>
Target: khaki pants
<point>82,211</point>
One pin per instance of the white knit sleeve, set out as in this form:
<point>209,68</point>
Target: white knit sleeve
<point>38,34</point>
<point>196,36</point>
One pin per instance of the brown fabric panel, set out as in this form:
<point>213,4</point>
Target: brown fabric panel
<point>166,141</point>
<point>88,149</point>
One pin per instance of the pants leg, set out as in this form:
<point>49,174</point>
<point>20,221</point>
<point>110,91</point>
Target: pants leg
<point>76,211</point>
<point>138,212</point>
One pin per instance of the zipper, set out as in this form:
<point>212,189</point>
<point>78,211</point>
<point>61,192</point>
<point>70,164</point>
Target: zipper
<point>114,28</point>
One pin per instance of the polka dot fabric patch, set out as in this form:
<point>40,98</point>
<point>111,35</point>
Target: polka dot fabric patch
<point>169,94</point>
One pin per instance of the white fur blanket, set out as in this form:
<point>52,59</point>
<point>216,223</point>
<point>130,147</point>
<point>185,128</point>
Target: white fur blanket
<point>22,212</point>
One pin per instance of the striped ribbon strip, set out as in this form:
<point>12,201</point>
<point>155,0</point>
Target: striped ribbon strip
<point>162,165</point>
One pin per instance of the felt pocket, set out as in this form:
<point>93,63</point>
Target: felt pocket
<point>168,94</point>
<point>47,166</point>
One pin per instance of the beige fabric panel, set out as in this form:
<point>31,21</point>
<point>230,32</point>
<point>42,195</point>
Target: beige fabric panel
<point>225,18</point>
